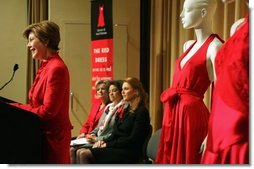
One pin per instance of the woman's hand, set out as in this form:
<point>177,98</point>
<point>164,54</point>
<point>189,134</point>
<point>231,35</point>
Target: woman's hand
<point>91,138</point>
<point>99,144</point>
<point>82,135</point>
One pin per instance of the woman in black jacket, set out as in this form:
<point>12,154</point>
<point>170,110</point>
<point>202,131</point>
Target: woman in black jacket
<point>129,133</point>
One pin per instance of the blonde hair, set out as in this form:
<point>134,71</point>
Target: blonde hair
<point>106,82</point>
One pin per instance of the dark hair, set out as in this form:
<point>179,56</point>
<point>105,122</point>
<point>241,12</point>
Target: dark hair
<point>47,32</point>
<point>118,84</point>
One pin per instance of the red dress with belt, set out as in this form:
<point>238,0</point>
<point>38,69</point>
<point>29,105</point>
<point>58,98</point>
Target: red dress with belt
<point>185,118</point>
<point>49,99</point>
<point>228,135</point>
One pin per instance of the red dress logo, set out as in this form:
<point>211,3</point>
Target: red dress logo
<point>101,22</point>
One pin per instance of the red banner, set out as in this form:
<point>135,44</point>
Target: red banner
<point>102,62</point>
<point>102,42</point>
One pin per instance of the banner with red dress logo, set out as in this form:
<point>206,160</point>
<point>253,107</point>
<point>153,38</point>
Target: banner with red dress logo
<point>101,42</point>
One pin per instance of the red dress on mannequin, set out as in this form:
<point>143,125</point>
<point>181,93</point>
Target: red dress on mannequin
<point>185,118</point>
<point>228,135</point>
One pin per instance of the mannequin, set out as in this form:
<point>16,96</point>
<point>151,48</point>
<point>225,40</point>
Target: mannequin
<point>203,29</point>
<point>236,25</point>
<point>185,119</point>
<point>228,130</point>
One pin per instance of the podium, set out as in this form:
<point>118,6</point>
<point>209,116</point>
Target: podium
<point>21,135</point>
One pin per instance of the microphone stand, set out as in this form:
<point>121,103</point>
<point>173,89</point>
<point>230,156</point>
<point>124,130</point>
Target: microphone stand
<point>16,66</point>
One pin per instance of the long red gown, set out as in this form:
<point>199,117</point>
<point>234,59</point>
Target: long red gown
<point>185,118</point>
<point>228,134</point>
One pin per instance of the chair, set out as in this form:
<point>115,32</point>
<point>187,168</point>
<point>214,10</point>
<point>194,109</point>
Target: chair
<point>152,146</point>
<point>144,159</point>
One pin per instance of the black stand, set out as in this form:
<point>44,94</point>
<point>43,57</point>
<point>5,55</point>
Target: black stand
<point>21,135</point>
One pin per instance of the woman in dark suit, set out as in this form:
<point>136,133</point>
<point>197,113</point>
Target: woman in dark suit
<point>129,133</point>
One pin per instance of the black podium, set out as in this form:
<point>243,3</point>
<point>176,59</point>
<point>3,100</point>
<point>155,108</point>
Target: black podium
<point>21,135</point>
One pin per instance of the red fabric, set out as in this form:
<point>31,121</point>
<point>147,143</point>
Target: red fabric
<point>102,60</point>
<point>121,110</point>
<point>228,155</point>
<point>229,121</point>
<point>185,118</point>
<point>93,118</point>
<point>49,99</point>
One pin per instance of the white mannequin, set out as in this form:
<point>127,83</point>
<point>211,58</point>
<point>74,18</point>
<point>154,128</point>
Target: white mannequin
<point>198,14</point>
<point>236,25</point>
<point>220,154</point>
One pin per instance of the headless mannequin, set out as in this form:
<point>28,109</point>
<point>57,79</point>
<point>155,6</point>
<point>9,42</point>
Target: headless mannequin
<point>198,14</point>
<point>237,23</point>
<point>216,153</point>
<point>234,27</point>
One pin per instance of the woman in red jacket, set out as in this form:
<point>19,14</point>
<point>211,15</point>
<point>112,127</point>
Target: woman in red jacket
<point>49,94</point>
<point>102,87</point>
<point>97,109</point>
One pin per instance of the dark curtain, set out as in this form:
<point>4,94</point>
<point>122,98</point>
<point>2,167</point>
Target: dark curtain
<point>145,42</point>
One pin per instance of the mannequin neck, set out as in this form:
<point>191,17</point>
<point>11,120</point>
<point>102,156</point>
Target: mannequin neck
<point>203,32</point>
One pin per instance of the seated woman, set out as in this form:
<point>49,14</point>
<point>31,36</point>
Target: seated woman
<point>106,122</point>
<point>125,144</point>
<point>97,109</point>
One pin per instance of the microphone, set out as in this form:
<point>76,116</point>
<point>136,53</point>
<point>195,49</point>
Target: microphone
<point>15,67</point>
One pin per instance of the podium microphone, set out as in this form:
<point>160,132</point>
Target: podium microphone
<point>15,67</point>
